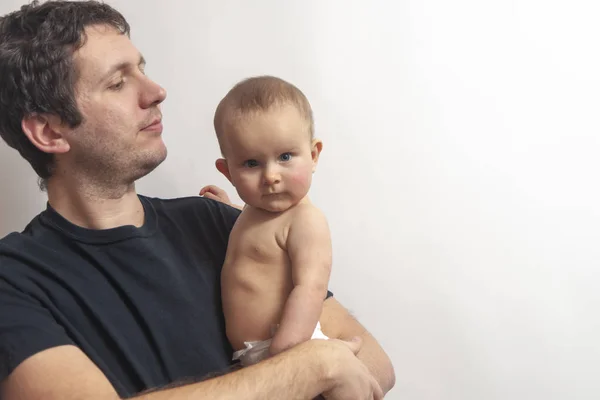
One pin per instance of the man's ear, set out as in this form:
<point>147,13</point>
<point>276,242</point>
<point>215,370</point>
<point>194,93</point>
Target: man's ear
<point>316,148</point>
<point>44,132</point>
<point>223,168</point>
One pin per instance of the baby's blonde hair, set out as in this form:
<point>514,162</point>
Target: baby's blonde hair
<point>260,94</point>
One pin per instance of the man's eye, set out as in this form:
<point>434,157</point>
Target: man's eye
<point>251,163</point>
<point>117,86</point>
<point>285,157</point>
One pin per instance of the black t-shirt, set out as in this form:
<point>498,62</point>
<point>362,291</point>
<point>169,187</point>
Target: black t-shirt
<point>144,303</point>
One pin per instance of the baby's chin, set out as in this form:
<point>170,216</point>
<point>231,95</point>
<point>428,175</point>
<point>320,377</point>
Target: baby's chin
<point>275,206</point>
<point>279,208</point>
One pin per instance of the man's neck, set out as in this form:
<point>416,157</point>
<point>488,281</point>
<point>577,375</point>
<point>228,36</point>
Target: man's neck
<point>96,208</point>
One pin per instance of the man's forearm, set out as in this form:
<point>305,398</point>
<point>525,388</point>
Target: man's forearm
<point>294,374</point>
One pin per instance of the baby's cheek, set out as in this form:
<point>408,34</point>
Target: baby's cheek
<point>246,185</point>
<point>301,178</point>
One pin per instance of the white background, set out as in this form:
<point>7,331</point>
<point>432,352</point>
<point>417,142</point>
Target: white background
<point>459,170</point>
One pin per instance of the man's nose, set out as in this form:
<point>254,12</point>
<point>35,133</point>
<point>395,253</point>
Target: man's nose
<point>152,93</point>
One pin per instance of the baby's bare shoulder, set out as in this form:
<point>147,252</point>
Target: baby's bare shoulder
<point>307,210</point>
<point>308,217</point>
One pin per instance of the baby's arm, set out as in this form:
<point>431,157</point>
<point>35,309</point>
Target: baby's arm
<point>309,248</point>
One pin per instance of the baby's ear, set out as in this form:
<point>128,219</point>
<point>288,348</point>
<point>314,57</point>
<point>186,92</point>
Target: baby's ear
<point>316,148</point>
<point>222,167</point>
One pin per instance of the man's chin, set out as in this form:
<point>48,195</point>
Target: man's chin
<point>150,164</point>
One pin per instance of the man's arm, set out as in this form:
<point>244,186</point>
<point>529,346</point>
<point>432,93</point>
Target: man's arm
<point>309,249</point>
<point>314,367</point>
<point>337,323</point>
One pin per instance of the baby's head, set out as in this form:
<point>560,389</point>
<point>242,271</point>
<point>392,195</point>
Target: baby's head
<point>266,134</point>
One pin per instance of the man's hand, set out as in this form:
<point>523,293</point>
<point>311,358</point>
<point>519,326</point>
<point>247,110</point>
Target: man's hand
<point>215,193</point>
<point>337,322</point>
<point>351,379</point>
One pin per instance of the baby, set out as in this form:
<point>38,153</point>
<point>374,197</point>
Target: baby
<point>276,272</point>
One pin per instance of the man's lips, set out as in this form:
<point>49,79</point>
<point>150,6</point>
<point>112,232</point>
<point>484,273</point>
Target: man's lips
<point>155,125</point>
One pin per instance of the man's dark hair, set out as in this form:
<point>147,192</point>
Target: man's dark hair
<point>37,72</point>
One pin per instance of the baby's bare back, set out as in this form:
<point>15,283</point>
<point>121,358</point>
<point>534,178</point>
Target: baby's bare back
<point>256,279</point>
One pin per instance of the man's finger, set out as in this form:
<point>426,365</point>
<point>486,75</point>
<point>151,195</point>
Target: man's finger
<point>377,391</point>
<point>208,188</point>
<point>209,195</point>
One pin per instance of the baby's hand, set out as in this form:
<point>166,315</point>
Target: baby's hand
<point>215,193</point>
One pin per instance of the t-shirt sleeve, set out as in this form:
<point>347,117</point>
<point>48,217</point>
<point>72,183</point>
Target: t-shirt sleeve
<point>26,328</point>
<point>223,216</point>
<point>229,215</point>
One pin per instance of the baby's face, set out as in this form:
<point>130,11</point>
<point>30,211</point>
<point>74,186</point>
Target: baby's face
<point>271,158</point>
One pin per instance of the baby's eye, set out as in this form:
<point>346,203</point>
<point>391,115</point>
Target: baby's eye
<point>251,163</point>
<point>285,157</point>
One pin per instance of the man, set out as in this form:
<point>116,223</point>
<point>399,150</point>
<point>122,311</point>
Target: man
<point>110,294</point>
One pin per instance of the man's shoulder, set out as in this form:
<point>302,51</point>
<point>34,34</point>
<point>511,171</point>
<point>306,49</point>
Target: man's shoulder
<point>195,211</point>
<point>18,249</point>
<point>33,232</point>
<point>189,203</point>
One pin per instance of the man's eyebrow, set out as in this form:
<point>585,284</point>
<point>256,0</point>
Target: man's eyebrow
<point>121,66</point>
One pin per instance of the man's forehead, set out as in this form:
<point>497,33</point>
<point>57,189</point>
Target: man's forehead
<point>104,46</point>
